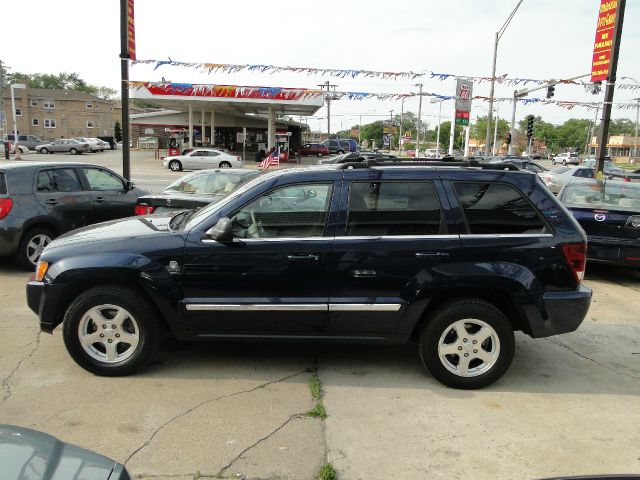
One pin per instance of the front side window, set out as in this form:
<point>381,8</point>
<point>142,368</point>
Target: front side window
<point>496,208</point>
<point>101,180</point>
<point>393,208</point>
<point>58,180</point>
<point>583,173</point>
<point>294,211</point>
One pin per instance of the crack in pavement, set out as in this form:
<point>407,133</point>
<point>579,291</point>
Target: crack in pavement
<point>6,382</point>
<point>258,442</point>
<point>211,400</point>
<point>592,360</point>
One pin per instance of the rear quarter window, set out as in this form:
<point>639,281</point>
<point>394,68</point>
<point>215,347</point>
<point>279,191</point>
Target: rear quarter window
<point>497,208</point>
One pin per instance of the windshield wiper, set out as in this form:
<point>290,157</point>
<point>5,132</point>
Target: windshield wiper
<point>180,218</point>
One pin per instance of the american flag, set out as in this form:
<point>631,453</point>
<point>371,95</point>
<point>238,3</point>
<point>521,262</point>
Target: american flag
<point>271,160</point>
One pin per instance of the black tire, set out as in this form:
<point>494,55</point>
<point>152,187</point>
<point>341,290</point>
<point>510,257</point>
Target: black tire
<point>73,151</point>
<point>224,165</point>
<point>340,152</point>
<point>175,166</point>
<point>439,328</point>
<point>44,151</point>
<point>319,154</point>
<point>139,320</point>
<point>564,162</point>
<point>33,240</point>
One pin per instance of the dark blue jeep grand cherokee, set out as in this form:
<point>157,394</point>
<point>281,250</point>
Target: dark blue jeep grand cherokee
<point>454,256</point>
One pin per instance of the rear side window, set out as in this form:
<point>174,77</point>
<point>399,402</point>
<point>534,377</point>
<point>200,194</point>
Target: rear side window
<point>3,184</point>
<point>496,208</point>
<point>393,208</point>
<point>58,180</point>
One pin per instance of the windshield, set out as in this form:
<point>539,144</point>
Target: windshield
<point>209,183</point>
<point>605,195</point>
<point>205,212</point>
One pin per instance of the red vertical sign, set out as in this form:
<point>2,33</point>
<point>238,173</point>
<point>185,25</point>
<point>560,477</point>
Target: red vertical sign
<point>603,44</point>
<point>131,31</point>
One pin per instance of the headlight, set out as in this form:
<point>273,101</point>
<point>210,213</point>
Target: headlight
<point>41,270</point>
<point>634,221</point>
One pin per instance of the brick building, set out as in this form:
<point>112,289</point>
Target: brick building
<point>51,114</point>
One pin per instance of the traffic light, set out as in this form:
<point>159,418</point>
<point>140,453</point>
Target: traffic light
<point>530,126</point>
<point>507,139</point>
<point>551,91</point>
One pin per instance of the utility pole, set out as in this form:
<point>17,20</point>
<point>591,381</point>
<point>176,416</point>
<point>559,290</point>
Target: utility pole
<point>124,73</point>
<point>2,87</point>
<point>400,135</point>
<point>390,135</point>
<point>328,98</point>
<point>635,141</point>
<point>419,85</point>
<point>603,135</point>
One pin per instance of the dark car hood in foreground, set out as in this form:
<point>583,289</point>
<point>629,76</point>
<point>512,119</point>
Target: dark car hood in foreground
<point>43,457</point>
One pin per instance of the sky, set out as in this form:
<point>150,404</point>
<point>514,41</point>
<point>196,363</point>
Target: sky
<point>545,40</point>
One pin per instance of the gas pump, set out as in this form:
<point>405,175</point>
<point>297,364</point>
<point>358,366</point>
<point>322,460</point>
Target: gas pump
<point>174,148</point>
<point>176,142</point>
<point>282,142</point>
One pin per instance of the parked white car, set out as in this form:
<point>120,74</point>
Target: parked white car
<point>95,144</point>
<point>567,158</point>
<point>23,149</point>
<point>202,158</point>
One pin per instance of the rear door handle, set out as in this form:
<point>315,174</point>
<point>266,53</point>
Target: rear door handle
<point>99,199</point>
<point>432,254</point>
<point>303,258</point>
<point>364,273</point>
<point>51,201</point>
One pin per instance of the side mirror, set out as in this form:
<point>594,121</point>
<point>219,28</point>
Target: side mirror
<point>129,186</point>
<point>222,231</point>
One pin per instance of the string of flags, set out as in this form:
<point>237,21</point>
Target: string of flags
<point>277,93</point>
<point>359,73</point>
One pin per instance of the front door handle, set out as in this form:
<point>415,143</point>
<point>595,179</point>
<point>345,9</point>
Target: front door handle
<point>364,273</point>
<point>99,199</point>
<point>303,258</point>
<point>432,254</point>
<point>51,201</point>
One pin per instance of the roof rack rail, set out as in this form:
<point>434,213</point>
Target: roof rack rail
<point>427,162</point>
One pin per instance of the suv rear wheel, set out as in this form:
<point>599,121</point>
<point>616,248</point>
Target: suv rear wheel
<point>110,331</point>
<point>340,151</point>
<point>467,344</point>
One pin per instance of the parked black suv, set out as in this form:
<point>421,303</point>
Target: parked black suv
<point>40,200</point>
<point>454,256</point>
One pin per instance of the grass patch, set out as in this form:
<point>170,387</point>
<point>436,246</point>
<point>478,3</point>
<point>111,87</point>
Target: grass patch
<point>327,472</point>
<point>315,386</point>
<point>318,411</point>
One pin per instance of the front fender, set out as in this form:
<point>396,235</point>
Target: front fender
<point>70,276</point>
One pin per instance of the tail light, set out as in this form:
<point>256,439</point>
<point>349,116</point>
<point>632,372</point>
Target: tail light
<point>238,158</point>
<point>633,221</point>
<point>576,256</point>
<point>144,209</point>
<point>5,207</point>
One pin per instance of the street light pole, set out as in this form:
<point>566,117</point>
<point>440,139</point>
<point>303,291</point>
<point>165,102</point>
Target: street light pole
<point>495,132</point>
<point>499,34</point>
<point>419,85</point>
<point>439,100</point>
<point>400,135</point>
<point>15,125</point>
<point>635,141</point>
<point>390,125</point>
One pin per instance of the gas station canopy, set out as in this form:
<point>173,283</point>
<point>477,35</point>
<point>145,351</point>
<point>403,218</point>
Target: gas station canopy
<point>234,99</point>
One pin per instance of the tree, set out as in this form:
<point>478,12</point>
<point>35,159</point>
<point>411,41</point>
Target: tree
<point>62,81</point>
<point>372,131</point>
<point>458,136</point>
<point>117,131</point>
<point>622,126</point>
<point>479,130</point>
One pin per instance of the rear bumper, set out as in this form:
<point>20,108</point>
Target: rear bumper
<point>614,251</point>
<point>564,312</point>
<point>44,300</point>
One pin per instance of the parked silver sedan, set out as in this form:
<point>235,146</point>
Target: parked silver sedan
<point>95,144</point>
<point>69,145</point>
<point>558,177</point>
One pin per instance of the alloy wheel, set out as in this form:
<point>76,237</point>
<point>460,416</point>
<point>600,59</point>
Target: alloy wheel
<point>469,347</point>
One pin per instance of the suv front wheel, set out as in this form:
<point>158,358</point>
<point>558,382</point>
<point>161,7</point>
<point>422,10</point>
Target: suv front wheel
<point>467,344</point>
<point>110,331</point>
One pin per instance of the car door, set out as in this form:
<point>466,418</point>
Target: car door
<point>59,191</point>
<point>109,195</point>
<point>196,160</point>
<point>392,250</point>
<point>273,279</point>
